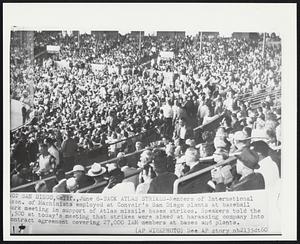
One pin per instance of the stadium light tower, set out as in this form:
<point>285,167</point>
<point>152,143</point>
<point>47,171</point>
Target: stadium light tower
<point>140,39</point>
<point>201,34</point>
<point>264,44</point>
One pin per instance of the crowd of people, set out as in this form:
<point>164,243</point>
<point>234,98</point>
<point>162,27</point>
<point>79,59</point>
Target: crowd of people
<point>77,108</point>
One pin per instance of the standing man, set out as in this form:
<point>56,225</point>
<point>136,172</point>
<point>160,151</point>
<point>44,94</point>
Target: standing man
<point>198,184</point>
<point>82,179</point>
<point>46,162</point>
<point>246,165</point>
<point>164,180</point>
<point>182,131</point>
<point>168,117</point>
<point>24,114</point>
<point>69,150</point>
<point>52,150</point>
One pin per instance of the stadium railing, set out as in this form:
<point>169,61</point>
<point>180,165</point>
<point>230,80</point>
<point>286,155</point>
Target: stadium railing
<point>47,179</point>
<point>177,182</point>
<point>102,184</point>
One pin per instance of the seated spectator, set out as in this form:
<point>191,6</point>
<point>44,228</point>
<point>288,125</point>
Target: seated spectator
<point>19,178</point>
<point>82,179</point>
<point>206,149</point>
<point>97,172</point>
<point>61,185</point>
<point>147,176</point>
<point>72,185</point>
<point>226,172</point>
<point>164,180</point>
<point>248,131</point>
<point>182,131</point>
<point>145,161</point>
<point>138,146</point>
<point>246,164</point>
<point>268,168</point>
<point>220,140</point>
<point>170,151</point>
<point>128,170</point>
<point>116,186</point>
<point>41,186</point>
<point>220,155</point>
<point>178,148</point>
<point>190,143</point>
<point>240,141</point>
<point>197,184</point>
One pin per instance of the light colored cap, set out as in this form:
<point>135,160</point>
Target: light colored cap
<point>120,155</point>
<point>111,166</point>
<point>240,136</point>
<point>190,142</point>
<point>78,168</point>
<point>96,170</point>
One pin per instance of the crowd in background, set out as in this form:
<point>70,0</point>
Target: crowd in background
<point>77,109</point>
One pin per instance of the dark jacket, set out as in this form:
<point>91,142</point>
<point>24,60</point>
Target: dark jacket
<point>254,181</point>
<point>197,184</point>
<point>97,189</point>
<point>163,183</point>
<point>85,181</point>
<point>17,180</point>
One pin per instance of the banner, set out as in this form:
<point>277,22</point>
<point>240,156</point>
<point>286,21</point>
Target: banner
<point>53,49</point>
<point>166,55</point>
<point>168,78</point>
<point>98,67</point>
<point>62,64</point>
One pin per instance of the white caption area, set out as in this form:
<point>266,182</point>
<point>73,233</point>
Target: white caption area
<point>215,213</point>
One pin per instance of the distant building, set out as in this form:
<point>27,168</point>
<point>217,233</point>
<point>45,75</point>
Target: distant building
<point>170,34</point>
<point>209,34</point>
<point>136,34</point>
<point>105,34</point>
<point>246,35</point>
<point>23,40</point>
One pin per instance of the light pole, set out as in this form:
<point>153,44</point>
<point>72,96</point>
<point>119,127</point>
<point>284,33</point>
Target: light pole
<point>201,42</point>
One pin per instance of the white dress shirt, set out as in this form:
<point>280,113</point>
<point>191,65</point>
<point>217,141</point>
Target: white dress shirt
<point>269,170</point>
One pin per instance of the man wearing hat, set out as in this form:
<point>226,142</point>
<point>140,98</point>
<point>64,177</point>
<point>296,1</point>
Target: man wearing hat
<point>82,179</point>
<point>240,141</point>
<point>247,162</point>
<point>116,186</point>
<point>97,172</point>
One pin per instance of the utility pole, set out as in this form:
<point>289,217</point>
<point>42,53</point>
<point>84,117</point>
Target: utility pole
<point>264,44</point>
<point>140,39</point>
<point>263,50</point>
<point>78,39</point>
<point>201,34</point>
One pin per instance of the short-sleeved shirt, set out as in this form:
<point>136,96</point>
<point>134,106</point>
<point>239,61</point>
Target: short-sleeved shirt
<point>45,163</point>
